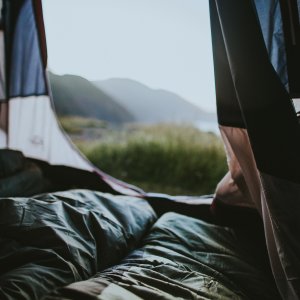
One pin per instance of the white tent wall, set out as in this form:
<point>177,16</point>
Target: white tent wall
<point>33,130</point>
<point>28,122</point>
<point>3,125</point>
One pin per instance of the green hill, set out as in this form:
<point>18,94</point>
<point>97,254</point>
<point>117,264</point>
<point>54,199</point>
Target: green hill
<point>74,95</point>
<point>152,105</point>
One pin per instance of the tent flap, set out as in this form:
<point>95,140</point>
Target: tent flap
<point>264,161</point>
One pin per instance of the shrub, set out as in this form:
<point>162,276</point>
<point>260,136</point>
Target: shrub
<point>167,158</point>
<point>76,124</point>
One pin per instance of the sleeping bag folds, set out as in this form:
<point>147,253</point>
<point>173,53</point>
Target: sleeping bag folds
<point>81,244</point>
<point>84,244</point>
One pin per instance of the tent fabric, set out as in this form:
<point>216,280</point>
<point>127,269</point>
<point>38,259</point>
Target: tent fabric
<point>183,258</point>
<point>28,181</point>
<point>3,124</point>
<point>10,162</point>
<point>291,26</point>
<point>34,130</point>
<point>279,20</point>
<point>55,239</point>
<point>238,187</point>
<point>32,125</point>
<point>20,176</point>
<point>27,75</point>
<point>270,18</point>
<point>257,120</point>
<point>28,123</point>
<point>2,68</point>
<point>264,162</point>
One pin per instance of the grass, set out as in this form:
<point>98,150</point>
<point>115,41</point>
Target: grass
<point>76,124</point>
<point>166,158</point>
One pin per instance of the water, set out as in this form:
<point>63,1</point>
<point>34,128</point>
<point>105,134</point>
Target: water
<point>211,126</point>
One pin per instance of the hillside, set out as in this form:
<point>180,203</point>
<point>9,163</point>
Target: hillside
<point>150,105</point>
<point>74,95</point>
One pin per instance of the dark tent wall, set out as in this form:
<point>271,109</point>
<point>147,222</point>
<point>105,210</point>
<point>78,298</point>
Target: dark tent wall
<point>259,125</point>
<point>291,16</point>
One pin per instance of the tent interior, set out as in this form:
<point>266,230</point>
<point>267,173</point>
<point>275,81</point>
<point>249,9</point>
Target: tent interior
<point>70,231</point>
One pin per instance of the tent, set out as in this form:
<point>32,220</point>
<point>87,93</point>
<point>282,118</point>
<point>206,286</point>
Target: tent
<point>256,46</point>
<point>30,126</point>
<point>262,140</point>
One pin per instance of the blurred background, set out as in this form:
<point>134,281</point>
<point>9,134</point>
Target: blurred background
<point>133,86</point>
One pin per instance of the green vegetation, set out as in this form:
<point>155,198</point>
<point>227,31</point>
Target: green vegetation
<point>166,158</point>
<point>76,124</point>
<point>74,95</point>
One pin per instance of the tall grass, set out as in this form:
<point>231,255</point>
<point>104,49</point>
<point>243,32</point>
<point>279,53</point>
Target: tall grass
<point>76,124</point>
<point>167,158</point>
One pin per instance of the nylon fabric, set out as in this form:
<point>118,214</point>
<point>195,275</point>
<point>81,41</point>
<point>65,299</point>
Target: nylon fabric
<point>55,239</point>
<point>34,130</point>
<point>281,199</point>
<point>185,258</point>
<point>2,68</point>
<point>26,69</point>
<point>274,136</point>
<point>271,25</point>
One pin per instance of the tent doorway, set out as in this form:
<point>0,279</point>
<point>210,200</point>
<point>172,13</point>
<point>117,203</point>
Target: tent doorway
<point>133,87</point>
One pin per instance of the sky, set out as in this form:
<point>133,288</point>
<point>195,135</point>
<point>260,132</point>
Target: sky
<point>164,44</point>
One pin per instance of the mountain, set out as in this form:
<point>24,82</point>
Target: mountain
<point>121,100</point>
<point>151,105</point>
<point>74,95</point>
